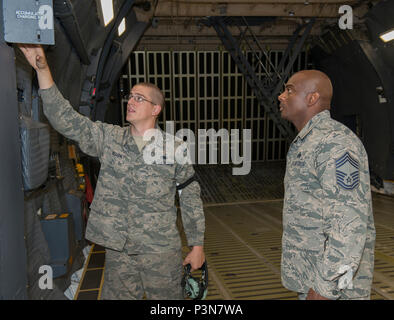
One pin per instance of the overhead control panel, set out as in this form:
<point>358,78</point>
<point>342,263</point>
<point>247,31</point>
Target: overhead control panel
<point>28,21</point>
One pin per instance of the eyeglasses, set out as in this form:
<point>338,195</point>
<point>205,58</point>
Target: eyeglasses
<point>137,98</point>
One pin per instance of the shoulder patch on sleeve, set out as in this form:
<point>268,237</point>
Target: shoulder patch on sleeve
<point>347,172</point>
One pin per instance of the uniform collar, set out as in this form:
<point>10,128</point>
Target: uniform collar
<point>312,123</point>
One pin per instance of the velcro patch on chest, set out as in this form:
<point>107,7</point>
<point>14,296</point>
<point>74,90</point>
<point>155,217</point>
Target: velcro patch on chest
<point>117,155</point>
<point>347,172</point>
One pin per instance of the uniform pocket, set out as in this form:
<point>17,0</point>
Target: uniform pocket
<point>156,180</point>
<point>157,186</point>
<point>159,228</point>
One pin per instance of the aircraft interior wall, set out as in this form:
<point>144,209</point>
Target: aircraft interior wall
<point>12,243</point>
<point>362,73</point>
<point>356,103</point>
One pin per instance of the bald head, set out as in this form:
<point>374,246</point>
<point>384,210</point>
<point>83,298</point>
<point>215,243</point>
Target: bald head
<point>307,93</point>
<point>315,81</point>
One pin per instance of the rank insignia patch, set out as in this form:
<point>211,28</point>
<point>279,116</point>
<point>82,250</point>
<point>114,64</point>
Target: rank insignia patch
<point>347,172</point>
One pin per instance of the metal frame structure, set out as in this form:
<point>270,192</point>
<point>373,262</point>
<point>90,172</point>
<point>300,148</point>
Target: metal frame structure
<point>266,89</point>
<point>206,89</point>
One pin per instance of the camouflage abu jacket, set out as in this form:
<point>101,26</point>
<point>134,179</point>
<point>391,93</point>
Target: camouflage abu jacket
<point>328,228</point>
<point>134,203</point>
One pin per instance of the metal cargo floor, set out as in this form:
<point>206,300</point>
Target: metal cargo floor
<point>243,239</point>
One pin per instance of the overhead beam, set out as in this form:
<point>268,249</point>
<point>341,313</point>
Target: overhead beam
<point>196,31</point>
<point>211,43</point>
<point>168,8</point>
<point>263,1</point>
<point>173,40</point>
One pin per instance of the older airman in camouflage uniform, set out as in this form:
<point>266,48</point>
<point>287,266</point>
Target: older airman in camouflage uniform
<point>133,213</point>
<point>328,228</point>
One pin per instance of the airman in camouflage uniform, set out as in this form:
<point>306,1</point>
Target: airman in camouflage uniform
<point>328,228</point>
<point>133,213</point>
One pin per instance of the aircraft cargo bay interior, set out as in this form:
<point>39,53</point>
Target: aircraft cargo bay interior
<point>197,150</point>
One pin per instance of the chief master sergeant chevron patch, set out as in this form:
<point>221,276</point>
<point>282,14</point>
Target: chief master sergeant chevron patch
<point>347,172</point>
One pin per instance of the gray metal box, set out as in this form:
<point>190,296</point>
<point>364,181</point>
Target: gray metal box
<point>28,21</point>
<point>35,147</point>
<point>59,233</point>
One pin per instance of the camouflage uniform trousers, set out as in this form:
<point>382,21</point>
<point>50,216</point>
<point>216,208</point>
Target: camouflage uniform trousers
<point>128,277</point>
<point>302,296</point>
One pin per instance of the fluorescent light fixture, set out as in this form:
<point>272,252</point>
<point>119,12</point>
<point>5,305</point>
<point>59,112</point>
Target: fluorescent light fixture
<point>122,27</point>
<point>387,36</point>
<point>108,11</point>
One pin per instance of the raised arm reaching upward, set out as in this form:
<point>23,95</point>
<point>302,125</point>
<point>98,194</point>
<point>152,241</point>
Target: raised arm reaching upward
<point>35,55</point>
